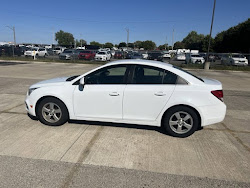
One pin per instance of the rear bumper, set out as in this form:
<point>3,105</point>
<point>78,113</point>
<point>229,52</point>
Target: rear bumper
<point>213,114</point>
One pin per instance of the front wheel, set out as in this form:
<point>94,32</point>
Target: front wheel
<point>180,121</point>
<point>52,111</point>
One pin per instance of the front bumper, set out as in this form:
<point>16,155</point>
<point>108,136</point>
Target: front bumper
<point>30,106</point>
<point>100,58</point>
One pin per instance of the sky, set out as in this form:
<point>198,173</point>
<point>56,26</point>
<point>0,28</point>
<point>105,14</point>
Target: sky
<point>106,21</point>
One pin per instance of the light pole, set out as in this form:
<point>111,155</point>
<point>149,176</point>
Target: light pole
<point>14,35</point>
<point>207,64</point>
<point>127,36</point>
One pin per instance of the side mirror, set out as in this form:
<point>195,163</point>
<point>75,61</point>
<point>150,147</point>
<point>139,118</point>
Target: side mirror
<point>82,81</point>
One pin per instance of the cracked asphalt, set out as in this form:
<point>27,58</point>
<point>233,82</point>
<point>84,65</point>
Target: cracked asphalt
<point>94,154</point>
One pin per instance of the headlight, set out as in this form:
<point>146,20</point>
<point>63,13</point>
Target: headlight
<point>31,90</point>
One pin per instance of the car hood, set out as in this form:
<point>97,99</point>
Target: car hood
<point>51,82</point>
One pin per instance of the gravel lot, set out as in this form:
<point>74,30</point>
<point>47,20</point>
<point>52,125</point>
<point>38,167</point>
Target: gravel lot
<point>90,154</point>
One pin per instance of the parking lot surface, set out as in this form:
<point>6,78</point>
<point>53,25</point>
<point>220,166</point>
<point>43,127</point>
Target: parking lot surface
<point>95,154</point>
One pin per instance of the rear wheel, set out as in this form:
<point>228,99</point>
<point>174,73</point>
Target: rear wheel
<point>52,111</point>
<point>180,121</point>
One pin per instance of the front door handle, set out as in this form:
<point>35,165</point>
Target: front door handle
<point>114,94</point>
<point>160,93</point>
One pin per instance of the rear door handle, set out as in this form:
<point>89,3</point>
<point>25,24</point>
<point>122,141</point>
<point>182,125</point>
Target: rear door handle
<point>114,94</point>
<point>160,93</point>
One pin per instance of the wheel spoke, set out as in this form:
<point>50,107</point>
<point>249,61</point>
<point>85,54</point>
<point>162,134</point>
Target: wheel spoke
<point>171,123</point>
<point>46,109</point>
<point>179,129</point>
<point>188,126</point>
<point>186,117</point>
<point>51,106</point>
<point>58,111</point>
<point>177,115</point>
<point>55,117</point>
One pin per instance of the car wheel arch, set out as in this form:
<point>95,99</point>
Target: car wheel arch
<point>184,105</point>
<point>49,96</point>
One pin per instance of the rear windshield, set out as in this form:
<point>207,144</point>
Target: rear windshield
<point>188,73</point>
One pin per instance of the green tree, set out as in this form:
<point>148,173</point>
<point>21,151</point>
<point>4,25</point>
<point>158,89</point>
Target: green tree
<point>204,44</point>
<point>193,41</point>
<point>108,45</point>
<point>94,43</point>
<point>122,44</point>
<point>131,45</point>
<point>64,38</point>
<point>81,41</point>
<point>163,47</point>
<point>179,45</point>
<point>235,39</point>
<point>148,45</point>
<point>138,44</point>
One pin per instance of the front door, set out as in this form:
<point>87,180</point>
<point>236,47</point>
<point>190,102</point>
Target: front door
<point>102,94</point>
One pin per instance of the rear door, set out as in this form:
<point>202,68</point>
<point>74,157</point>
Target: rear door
<point>147,93</point>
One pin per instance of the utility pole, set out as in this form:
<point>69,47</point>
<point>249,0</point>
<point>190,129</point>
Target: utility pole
<point>173,40</point>
<point>207,64</point>
<point>14,35</point>
<point>81,40</point>
<point>127,29</point>
<point>166,43</point>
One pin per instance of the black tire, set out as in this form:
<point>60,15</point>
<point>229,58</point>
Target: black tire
<point>182,109</point>
<point>64,117</point>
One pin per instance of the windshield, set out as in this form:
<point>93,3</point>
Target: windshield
<point>85,52</point>
<point>101,53</point>
<point>195,55</point>
<point>238,56</point>
<point>188,73</point>
<point>67,51</point>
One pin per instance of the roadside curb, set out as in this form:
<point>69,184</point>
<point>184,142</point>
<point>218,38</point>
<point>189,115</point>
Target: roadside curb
<point>42,62</point>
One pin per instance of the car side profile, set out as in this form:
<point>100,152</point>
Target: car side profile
<point>131,91</point>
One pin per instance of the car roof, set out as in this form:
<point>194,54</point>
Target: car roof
<point>140,61</point>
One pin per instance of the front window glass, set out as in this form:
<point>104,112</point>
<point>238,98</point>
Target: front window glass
<point>107,75</point>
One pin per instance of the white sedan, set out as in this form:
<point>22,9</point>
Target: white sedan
<point>131,91</point>
<point>103,56</point>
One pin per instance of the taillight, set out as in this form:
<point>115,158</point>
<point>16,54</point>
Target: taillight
<point>218,94</point>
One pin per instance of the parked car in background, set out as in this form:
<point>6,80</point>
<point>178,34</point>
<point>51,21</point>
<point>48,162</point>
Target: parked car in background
<point>131,91</point>
<point>194,58</point>
<point>155,55</point>
<point>180,57</point>
<point>128,54</point>
<point>8,50</point>
<point>119,55</point>
<point>37,52</point>
<point>102,56</point>
<point>166,55</point>
<point>69,54</point>
<point>234,59</point>
<point>136,55</point>
<point>86,54</point>
<point>144,55</point>
<point>58,50</point>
